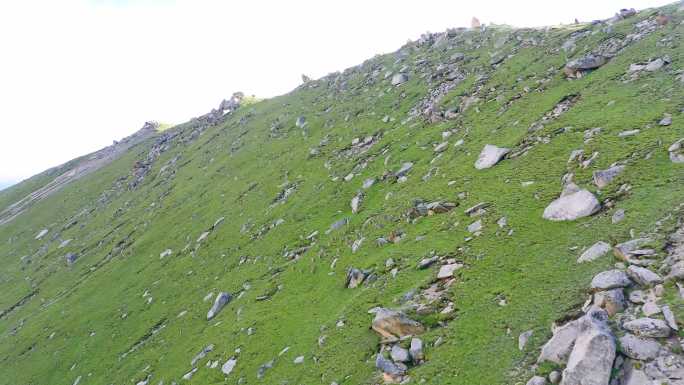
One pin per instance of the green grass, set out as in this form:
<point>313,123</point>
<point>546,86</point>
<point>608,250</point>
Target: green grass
<point>236,169</point>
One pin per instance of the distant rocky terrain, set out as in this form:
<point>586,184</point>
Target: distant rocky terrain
<point>486,205</point>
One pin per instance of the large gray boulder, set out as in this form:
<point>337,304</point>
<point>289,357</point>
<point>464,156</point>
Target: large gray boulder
<point>489,156</point>
<point>591,360</point>
<point>572,206</point>
<point>221,300</point>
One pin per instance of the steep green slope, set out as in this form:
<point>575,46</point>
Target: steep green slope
<point>121,313</point>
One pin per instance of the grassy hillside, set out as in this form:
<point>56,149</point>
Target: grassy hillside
<point>121,314</point>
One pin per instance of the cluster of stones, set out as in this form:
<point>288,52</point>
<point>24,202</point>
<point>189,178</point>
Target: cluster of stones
<point>624,310</point>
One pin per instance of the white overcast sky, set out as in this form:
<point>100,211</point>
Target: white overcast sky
<point>75,75</point>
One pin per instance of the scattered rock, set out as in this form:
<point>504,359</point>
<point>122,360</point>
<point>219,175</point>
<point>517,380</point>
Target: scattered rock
<point>670,318</point>
<point>595,251</point>
<point>558,348</point>
<point>537,380</point>
<point>399,354</point>
<point>356,203</point>
<point>611,279</point>
<point>639,348</point>
<point>612,301</point>
<point>416,350</point>
<point>572,206</point>
<point>523,338</point>
<point>447,271</point>
<point>603,177</point>
<point>490,156</point>
<point>298,360</point>
<point>221,300</point>
<point>165,253</point>
<point>591,360</point>
<point>41,234</point>
<point>666,120</point>
<point>648,327</point>
<point>203,353</point>
<point>618,216</point>
<point>355,277</point>
<point>228,367</point>
<point>392,324</point>
<point>577,67</point>
<point>393,372</point>
<point>70,258</point>
<point>399,78</point>
<point>676,151</point>
<point>644,276</point>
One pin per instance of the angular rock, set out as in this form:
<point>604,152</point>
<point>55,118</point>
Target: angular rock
<point>391,324</point>
<point>404,169</point>
<point>537,380</point>
<point>611,279</point>
<point>670,318</point>
<point>572,206</point>
<point>41,234</point>
<point>427,262</point>
<point>618,216</point>
<point>644,276</point>
<point>625,250</point>
<point>400,78</point>
<point>416,350</point>
<point>591,360</point>
<point>70,258</point>
<point>221,300</point>
<point>555,377</point>
<point>399,354</point>
<point>523,338</point>
<point>355,277</point>
<point>558,348</point>
<point>356,203</point>
<point>612,301</point>
<point>447,271</point>
<point>603,177</point>
<point>639,348</point>
<point>676,150</point>
<point>300,122</point>
<point>388,367</point>
<point>203,353</point>
<point>475,226</point>
<point>648,327</point>
<point>595,251</point>
<point>228,367</point>
<point>587,62</point>
<point>489,156</point>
